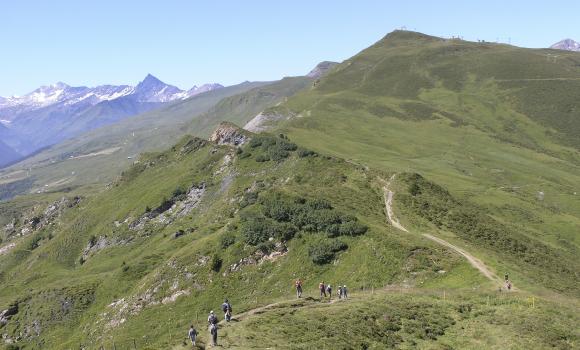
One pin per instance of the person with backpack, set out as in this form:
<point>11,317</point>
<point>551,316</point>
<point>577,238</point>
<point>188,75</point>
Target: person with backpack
<point>344,292</point>
<point>322,289</point>
<point>213,331</point>
<point>212,318</point>
<point>298,285</point>
<point>339,291</point>
<point>329,291</point>
<point>227,309</point>
<point>192,334</point>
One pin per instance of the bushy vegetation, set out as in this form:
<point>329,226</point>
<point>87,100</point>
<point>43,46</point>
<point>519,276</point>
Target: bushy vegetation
<point>324,251</point>
<point>271,148</point>
<point>280,217</point>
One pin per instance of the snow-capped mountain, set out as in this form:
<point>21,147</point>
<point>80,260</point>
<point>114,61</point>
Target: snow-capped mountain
<point>53,113</point>
<point>150,89</point>
<point>566,44</point>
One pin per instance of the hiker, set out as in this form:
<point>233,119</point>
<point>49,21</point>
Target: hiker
<point>212,318</point>
<point>329,291</point>
<point>192,334</point>
<point>227,309</point>
<point>298,285</point>
<point>339,291</point>
<point>506,277</point>
<point>344,292</point>
<point>322,289</point>
<point>213,331</point>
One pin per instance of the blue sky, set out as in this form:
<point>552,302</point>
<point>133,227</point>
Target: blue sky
<point>194,42</point>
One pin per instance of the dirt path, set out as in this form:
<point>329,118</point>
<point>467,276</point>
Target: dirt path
<point>297,304</point>
<point>389,195</point>
<point>392,219</point>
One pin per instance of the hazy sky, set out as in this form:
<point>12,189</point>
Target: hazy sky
<point>194,42</point>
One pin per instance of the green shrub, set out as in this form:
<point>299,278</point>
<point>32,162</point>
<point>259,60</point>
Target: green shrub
<point>245,155</point>
<point>303,153</point>
<point>254,230</point>
<point>323,252</point>
<point>262,158</point>
<point>249,199</point>
<point>34,242</point>
<point>266,247</point>
<point>216,263</point>
<point>227,239</point>
<point>277,154</point>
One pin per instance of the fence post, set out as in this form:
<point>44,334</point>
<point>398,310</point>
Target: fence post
<point>114,346</point>
<point>134,344</point>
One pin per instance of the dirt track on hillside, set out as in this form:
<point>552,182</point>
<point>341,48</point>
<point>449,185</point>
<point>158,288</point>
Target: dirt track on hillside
<point>392,219</point>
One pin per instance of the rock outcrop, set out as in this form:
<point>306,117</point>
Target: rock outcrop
<point>229,134</point>
<point>321,69</point>
<point>264,121</point>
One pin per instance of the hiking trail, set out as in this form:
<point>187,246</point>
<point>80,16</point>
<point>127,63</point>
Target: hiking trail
<point>392,219</point>
<point>297,304</point>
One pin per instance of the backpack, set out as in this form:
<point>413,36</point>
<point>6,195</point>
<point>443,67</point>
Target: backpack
<point>224,307</point>
<point>213,320</point>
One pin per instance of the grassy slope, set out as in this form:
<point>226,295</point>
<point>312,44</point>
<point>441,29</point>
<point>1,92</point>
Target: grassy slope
<point>52,272</point>
<point>413,320</point>
<point>466,116</point>
<point>67,302</point>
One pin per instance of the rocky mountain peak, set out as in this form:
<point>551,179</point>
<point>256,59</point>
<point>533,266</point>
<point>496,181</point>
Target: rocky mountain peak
<point>567,45</point>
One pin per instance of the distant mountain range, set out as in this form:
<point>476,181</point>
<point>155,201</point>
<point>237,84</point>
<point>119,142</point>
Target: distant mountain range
<point>566,44</point>
<point>53,113</point>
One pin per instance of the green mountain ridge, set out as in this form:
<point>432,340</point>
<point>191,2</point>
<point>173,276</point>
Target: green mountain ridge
<point>479,164</point>
<point>452,111</point>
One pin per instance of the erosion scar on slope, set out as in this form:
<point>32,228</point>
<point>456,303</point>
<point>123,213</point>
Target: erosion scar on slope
<point>392,219</point>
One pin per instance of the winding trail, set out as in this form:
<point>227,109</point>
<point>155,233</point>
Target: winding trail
<point>392,219</point>
<point>297,304</point>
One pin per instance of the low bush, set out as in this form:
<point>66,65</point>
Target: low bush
<point>216,263</point>
<point>227,239</point>
<point>323,252</point>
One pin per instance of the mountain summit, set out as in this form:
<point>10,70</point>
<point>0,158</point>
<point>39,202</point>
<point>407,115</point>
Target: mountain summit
<point>567,45</point>
<point>152,89</point>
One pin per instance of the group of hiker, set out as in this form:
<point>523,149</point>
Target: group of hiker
<point>325,289</point>
<point>212,321</point>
